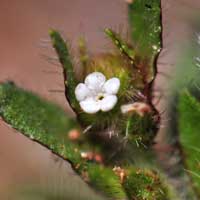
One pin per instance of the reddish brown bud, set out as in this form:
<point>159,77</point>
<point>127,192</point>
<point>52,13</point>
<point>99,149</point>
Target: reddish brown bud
<point>74,134</point>
<point>98,158</point>
<point>140,108</point>
<point>120,172</point>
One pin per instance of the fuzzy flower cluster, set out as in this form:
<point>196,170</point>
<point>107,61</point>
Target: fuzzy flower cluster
<point>97,94</point>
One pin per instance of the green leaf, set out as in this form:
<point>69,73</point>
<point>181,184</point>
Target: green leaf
<point>38,119</point>
<point>49,125</point>
<point>104,179</point>
<point>189,126</point>
<point>145,24</point>
<point>63,53</point>
<point>120,44</point>
<point>145,185</point>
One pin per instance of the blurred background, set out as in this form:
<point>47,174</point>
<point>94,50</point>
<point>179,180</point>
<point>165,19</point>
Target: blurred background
<point>24,43</point>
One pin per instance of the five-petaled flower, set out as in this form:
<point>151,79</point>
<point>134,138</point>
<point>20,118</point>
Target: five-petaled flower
<point>97,94</point>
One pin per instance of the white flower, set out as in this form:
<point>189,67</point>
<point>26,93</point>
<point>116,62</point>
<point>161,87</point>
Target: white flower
<point>96,93</point>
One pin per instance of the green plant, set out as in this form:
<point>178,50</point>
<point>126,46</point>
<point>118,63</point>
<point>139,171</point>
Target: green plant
<point>109,143</point>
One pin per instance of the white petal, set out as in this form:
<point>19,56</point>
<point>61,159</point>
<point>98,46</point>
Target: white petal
<point>108,102</point>
<point>81,92</point>
<point>90,106</point>
<point>111,86</point>
<point>95,81</point>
